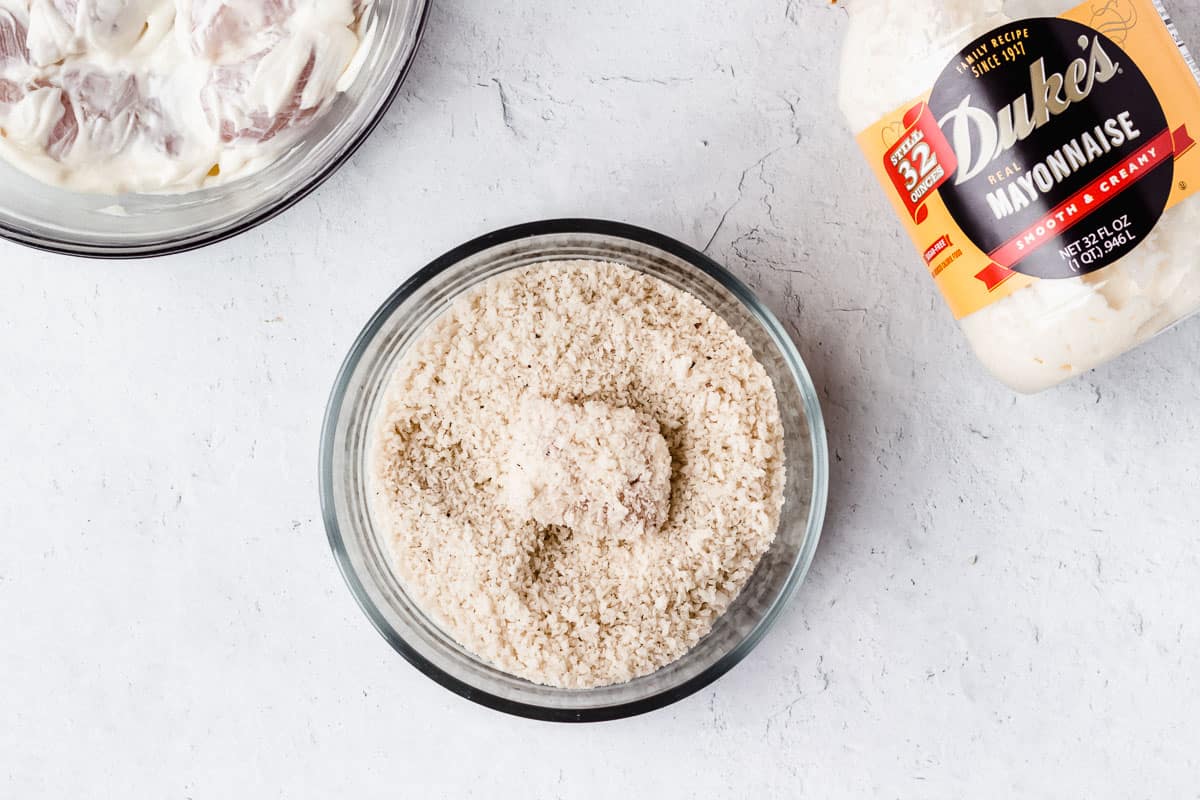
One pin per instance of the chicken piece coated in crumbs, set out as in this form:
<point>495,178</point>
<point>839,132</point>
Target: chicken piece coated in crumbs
<point>601,471</point>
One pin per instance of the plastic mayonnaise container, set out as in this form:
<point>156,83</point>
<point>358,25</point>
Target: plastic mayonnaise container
<point>1040,154</point>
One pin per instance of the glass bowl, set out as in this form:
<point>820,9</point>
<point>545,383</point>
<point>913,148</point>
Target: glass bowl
<point>364,558</point>
<point>142,225</point>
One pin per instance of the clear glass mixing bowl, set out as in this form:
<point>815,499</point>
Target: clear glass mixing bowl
<point>139,225</point>
<point>363,556</point>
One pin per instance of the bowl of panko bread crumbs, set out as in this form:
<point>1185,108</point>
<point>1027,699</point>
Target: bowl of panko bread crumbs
<point>573,470</point>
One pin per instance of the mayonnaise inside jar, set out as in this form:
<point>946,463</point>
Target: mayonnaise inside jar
<point>1040,154</point>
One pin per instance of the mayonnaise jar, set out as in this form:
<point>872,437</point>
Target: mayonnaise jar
<point>1040,154</point>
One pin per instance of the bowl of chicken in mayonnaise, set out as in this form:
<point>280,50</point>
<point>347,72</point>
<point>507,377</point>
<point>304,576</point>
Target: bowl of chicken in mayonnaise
<point>135,128</point>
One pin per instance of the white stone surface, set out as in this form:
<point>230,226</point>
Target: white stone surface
<point>1004,604</point>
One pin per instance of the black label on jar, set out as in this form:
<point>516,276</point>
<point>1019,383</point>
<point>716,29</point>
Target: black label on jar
<point>1064,158</point>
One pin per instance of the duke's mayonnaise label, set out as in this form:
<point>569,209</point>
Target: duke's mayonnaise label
<point>1048,148</point>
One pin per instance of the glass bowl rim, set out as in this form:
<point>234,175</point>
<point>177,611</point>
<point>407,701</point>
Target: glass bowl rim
<point>791,356</point>
<point>186,243</point>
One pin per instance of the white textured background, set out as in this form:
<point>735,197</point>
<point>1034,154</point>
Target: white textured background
<point>1004,604</point>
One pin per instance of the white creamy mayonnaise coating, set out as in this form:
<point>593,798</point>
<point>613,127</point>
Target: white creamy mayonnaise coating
<point>1053,329</point>
<point>116,96</point>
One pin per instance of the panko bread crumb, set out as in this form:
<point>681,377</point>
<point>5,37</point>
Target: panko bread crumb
<point>580,343</point>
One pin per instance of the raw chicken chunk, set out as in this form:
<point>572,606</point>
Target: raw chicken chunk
<point>222,27</point>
